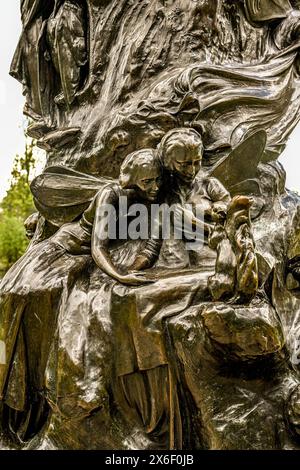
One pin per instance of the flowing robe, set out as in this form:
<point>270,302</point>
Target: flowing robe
<point>266,10</point>
<point>29,65</point>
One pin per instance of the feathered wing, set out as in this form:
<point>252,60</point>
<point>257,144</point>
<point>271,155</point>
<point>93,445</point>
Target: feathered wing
<point>61,195</point>
<point>238,171</point>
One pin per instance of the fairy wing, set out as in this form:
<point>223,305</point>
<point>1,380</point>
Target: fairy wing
<point>61,194</point>
<point>238,171</point>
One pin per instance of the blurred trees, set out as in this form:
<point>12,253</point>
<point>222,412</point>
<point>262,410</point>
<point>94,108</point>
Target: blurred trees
<point>15,207</point>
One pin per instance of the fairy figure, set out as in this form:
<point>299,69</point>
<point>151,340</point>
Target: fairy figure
<point>34,289</point>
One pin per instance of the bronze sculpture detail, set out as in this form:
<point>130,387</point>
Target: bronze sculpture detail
<point>127,328</point>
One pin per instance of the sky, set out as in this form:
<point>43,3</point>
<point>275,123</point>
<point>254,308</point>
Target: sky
<point>11,99</point>
<point>12,122</point>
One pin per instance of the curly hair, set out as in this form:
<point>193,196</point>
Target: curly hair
<point>129,171</point>
<point>176,139</point>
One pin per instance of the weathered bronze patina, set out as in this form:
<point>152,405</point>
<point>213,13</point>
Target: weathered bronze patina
<point>153,341</point>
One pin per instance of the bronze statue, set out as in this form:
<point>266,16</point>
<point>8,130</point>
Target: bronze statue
<point>29,65</point>
<point>51,62</point>
<point>67,41</point>
<point>67,251</point>
<point>119,333</point>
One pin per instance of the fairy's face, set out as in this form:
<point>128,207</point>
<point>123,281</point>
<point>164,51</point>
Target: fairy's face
<point>148,182</point>
<point>185,161</point>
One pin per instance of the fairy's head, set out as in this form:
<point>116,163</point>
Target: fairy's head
<point>180,153</point>
<point>141,170</point>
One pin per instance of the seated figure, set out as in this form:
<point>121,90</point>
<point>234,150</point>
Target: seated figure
<point>32,291</point>
<point>143,350</point>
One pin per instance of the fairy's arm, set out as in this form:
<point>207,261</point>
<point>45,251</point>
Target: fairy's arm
<point>105,212</point>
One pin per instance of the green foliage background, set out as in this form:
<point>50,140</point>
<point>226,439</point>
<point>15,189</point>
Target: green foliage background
<point>15,207</point>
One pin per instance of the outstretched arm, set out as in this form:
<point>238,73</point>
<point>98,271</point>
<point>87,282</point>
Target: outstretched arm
<point>104,212</point>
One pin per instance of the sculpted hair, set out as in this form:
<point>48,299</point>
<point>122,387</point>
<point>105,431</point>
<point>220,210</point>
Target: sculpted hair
<point>181,137</point>
<point>129,171</point>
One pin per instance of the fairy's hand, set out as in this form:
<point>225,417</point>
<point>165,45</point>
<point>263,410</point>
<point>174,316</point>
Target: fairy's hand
<point>141,262</point>
<point>219,212</point>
